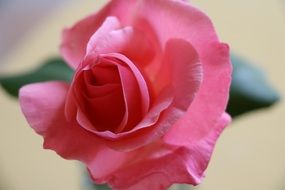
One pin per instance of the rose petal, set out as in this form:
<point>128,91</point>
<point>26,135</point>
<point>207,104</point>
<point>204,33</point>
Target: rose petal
<point>75,38</point>
<point>124,41</point>
<point>155,166</point>
<point>199,151</point>
<point>97,91</point>
<point>216,82</point>
<point>110,24</point>
<point>183,21</point>
<point>105,113</point>
<point>182,69</point>
<point>133,100</point>
<point>144,94</point>
<point>99,113</point>
<point>45,114</point>
<point>125,141</point>
<point>41,102</point>
<point>178,20</point>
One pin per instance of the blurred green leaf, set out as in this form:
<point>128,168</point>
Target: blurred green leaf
<point>100,187</point>
<point>182,187</point>
<point>250,89</point>
<point>53,69</point>
<point>88,184</point>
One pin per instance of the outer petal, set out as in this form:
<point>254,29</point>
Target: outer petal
<point>198,151</point>
<point>45,115</point>
<point>125,41</point>
<point>211,99</point>
<point>177,19</point>
<point>39,108</point>
<point>181,20</point>
<point>109,25</point>
<point>157,163</point>
<point>75,39</point>
<point>182,67</point>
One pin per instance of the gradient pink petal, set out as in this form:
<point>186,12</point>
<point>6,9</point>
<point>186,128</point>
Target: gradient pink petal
<point>125,41</point>
<point>182,67</point>
<point>110,24</point>
<point>156,166</point>
<point>45,114</point>
<point>41,112</point>
<point>141,83</point>
<point>135,103</point>
<point>183,21</point>
<point>211,100</point>
<point>75,38</point>
<point>178,19</point>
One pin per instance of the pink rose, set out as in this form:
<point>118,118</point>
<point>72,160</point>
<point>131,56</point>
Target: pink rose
<point>148,97</point>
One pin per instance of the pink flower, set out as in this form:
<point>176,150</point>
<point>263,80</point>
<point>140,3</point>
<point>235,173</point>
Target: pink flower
<point>147,101</point>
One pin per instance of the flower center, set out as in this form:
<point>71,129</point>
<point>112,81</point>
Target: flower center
<point>108,95</point>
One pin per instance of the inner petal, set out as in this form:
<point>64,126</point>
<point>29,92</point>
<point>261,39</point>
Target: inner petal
<point>99,97</point>
<point>129,41</point>
<point>105,113</point>
<point>99,82</point>
<point>132,98</point>
<point>99,91</point>
<point>135,90</point>
<point>114,93</point>
<point>103,74</point>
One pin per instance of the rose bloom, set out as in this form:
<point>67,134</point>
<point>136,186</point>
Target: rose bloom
<point>148,97</point>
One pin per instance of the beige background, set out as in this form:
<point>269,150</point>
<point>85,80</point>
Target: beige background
<point>249,155</point>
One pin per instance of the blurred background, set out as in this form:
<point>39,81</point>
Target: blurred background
<point>250,153</point>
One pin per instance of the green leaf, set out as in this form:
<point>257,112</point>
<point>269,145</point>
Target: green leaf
<point>250,89</point>
<point>88,184</point>
<point>53,69</point>
<point>100,187</point>
<point>182,187</point>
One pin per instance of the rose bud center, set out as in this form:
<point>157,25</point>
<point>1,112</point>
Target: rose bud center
<point>108,95</point>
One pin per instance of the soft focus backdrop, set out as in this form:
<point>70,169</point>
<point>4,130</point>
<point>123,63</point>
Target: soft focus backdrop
<point>249,155</point>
